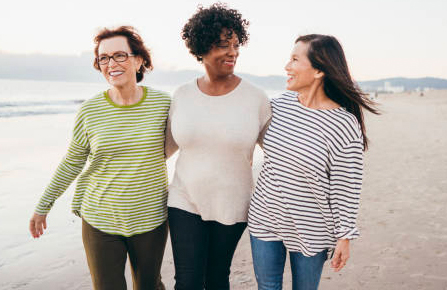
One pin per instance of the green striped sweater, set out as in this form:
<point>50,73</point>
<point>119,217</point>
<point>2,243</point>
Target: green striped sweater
<point>124,187</point>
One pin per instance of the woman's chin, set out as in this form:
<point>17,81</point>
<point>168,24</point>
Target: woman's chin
<point>116,83</point>
<point>290,88</point>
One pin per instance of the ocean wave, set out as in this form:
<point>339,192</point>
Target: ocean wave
<point>29,108</point>
<point>40,103</point>
<point>25,113</point>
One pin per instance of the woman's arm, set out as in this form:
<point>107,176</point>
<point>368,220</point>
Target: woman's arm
<point>346,173</point>
<point>262,134</point>
<point>345,185</point>
<point>265,117</point>
<point>65,174</point>
<point>170,145</point>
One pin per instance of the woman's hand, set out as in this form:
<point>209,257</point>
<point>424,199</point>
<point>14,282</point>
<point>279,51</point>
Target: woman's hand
<point>341,255</point>
<point>37,224</point>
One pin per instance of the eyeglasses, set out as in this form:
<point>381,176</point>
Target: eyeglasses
<point>119,56</point>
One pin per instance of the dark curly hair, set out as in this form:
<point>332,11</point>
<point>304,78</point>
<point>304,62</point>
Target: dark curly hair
<point>204,28</point>
<point>135,42</point>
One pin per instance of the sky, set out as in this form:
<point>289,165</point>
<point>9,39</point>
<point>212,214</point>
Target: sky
<point>381,38</point>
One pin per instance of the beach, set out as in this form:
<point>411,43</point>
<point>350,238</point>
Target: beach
<point>402,218</point>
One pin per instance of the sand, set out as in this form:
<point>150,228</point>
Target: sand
<point>402,219</point>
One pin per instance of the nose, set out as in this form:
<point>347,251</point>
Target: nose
<point>110,64</point>
<point>233,51</point>
<point>287,67</point>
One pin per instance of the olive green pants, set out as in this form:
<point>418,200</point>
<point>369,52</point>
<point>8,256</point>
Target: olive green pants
<point>107,256</point>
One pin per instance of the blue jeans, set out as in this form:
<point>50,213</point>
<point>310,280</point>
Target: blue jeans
<point>269,259</point>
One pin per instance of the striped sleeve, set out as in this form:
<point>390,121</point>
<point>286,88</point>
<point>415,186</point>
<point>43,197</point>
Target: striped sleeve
<point>345,185</point>
<point>69,168</point>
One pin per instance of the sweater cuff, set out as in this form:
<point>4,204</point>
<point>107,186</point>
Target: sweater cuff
<point>41,210</point>
<point>44,206</point>
<point>346,233</point>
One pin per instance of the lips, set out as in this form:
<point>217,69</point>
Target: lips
<point>230,62</point>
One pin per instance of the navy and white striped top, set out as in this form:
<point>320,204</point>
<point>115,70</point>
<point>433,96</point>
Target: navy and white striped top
<point>307,194</point>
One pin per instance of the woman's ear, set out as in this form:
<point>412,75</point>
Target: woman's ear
<point>318,74</point>
<point>139,62</point>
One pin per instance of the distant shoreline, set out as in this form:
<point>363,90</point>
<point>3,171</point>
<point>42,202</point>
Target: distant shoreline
<point>175,78</point>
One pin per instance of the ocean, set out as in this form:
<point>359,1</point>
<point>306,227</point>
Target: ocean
<point>20,98</point>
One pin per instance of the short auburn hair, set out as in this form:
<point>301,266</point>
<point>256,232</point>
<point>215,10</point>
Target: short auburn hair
<point>135,42</point>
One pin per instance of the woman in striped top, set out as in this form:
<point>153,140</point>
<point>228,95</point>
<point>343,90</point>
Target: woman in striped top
<point>307,195</point>
<point>122,194</point>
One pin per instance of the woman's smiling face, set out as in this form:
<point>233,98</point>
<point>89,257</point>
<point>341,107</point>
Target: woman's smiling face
<point>118,74</point>
<point>299,69</point>
<point>221,59</point>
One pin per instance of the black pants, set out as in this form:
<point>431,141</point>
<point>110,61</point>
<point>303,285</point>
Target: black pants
<point>202,250</point>
<point>107,255</point>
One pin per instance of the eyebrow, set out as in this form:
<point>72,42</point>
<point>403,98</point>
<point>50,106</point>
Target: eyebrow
<point>226,41</point>
<point>118,51</point>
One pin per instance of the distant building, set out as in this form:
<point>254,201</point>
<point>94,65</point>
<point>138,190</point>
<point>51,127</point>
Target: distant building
<point>424,89</point>
<point>387,87</point>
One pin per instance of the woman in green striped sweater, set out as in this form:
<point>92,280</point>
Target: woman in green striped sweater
<point>121,196</point>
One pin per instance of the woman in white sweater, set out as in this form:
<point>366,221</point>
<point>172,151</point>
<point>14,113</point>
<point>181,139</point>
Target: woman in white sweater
<point>215,121</point>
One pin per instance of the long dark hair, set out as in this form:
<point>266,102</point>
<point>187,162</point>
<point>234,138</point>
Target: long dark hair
<point>326,54</point>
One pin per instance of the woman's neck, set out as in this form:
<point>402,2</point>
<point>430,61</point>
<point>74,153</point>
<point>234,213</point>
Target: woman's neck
<point>218,85</point>
<point>127,95</point>
<point>314,97</point>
